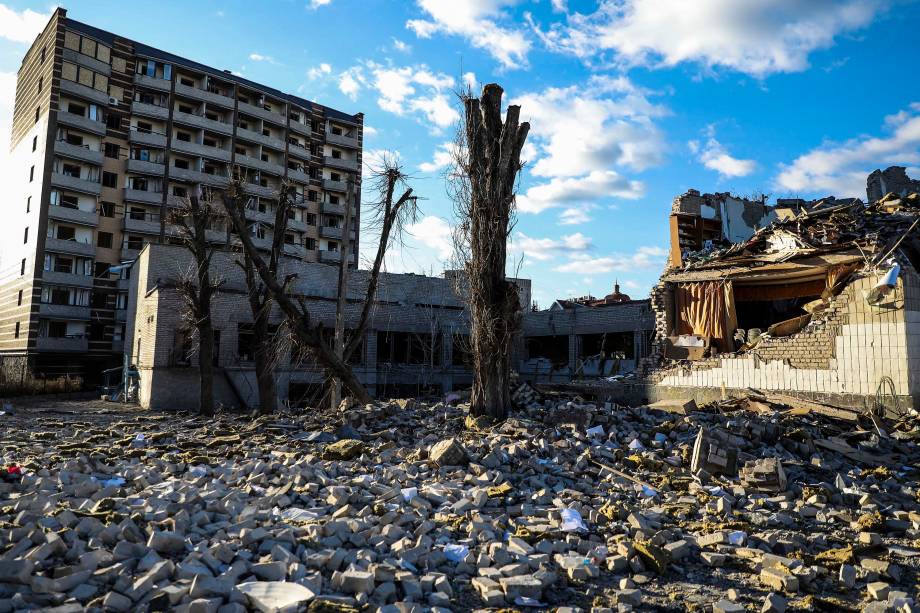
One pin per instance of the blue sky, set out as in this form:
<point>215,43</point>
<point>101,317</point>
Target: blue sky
<point>631,102</point>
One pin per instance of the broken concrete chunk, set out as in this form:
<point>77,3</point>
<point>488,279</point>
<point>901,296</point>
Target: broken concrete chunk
<point>275,596</point>
<point>448,452</point>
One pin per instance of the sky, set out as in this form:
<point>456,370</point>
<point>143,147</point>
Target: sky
<point>631,103</point>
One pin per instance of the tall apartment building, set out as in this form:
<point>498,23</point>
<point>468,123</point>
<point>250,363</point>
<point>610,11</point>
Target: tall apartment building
<point>109,134</point>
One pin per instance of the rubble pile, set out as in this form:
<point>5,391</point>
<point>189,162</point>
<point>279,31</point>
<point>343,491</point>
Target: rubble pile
<point>411,506</point>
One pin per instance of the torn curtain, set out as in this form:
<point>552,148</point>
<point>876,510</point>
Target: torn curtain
<point>707,308</point>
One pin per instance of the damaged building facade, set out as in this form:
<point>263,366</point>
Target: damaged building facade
<point>816,299</point>
<point>417,341</point>
<point>586,338</point>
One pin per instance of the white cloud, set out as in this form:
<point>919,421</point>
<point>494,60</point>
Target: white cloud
<point>442,157</point>
<point>581,138</point>
<point>21,27</point>
<point>373,158</point>
<point>258,57</point>
<point>319,71</point>
<point>405,90</point>
<point>575,215</point>
<point>581,190</point>
<point>370,131</point>
<point>469,79</point>
<point>435,233</point>
<point>841,168</point>
<point>474,20</point>
<point>713,155</point>
<point>543,249</point>
<point>756,37</point>
<point>351,82</point>
<point>401,46</point>
<point>643,258</point>
<point>315,4</point>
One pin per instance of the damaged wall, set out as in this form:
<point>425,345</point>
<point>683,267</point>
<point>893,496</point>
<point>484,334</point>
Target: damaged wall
<point>843,357</point>
<point>892,179</point>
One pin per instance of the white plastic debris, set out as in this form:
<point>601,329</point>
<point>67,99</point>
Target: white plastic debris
<point>596,431</point>
<point>408,493</point>
<point>737,537</point>
<point>456,552</point>
<point>572,521</point>
<point>139,440</point>
<point>636,445</point>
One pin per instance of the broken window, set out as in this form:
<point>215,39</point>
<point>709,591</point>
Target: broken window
<point>552,348</point>
<point>408,348</point>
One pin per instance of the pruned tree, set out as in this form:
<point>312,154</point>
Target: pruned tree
<point>260,304</point>
<point>193,220</point>
<point>310,335</point>
<point>484,179</point>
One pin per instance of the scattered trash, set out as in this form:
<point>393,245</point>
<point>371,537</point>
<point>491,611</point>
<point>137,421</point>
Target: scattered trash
<point>455,552</point>
<point>571,521</point>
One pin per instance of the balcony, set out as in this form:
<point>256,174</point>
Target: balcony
<point>295,250</point>
<point>87,93</point>
<point>335,233</point>
<point>81,123</point>
<point>152,82</point>
<point>77,184</point>
<point>258,111</point>
<point>350,142</point>
<point>78,152</point>
<point>198,121</point>
<point>77,344</point>
<point>300,128</point>
<point>121,315</point>
<point>256,215</point>
<point>63,213</point>
<point>301,153</point>
<point>196,176</point>
<point>138,195</point>
<point>251,162</point>
<point>64,311</point>
<point>53,277</point>
<point>258,137</point>
<point>204,95</point>
<point>146,167</point>
<point>84,60</point>
<point>333,209</point>
<point>146,225</point>
<point>259,190</point>
<point>129,253</point>
<point>198,149</point>
<point>298,175</point>
<point>297,225</point>
<point>349,165</point>
<point>147,138</point>
<point>335,186</point>
<point>332,257</point>
<point>150,110</point>
<point>60,245</point>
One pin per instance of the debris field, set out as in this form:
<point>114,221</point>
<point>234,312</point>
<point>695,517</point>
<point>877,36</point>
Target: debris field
<point>743,505</point>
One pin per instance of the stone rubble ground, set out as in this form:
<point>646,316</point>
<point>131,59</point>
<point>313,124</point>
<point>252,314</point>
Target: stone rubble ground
<point>412,506</point>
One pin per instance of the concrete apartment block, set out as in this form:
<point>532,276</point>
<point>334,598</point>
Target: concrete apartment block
<point>109,135</point>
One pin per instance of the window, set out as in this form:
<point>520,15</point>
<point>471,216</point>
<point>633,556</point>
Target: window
<point>310,244</point>
<point>135,242</point>
<point>109,179</point>
<point>42,56</point>
<point>73,139</point>
<point>113,121</point>
<point>185,137</point>
<point>335,176</point>
<point>311,195</point>
<point>245,342</point>
<point>104,239</point>
<point>144,127</point>
<point>57,329</point>
<point>180,191</point>
<point>19,299</point>
<point>31,174</point>
<point>66,233</point>
<point>68,201</point>
<point>28,204</point>
<point>71,170</point>
<point>40,81</point>
<point>76,109</point>
<point>311,219</point>
<point>34,143</point>
<point>22,267</point>
<point>25,236</point>
<point>16,331</point>
<point>37,111</point>
<point>138,213</point>
<point>184,108</point>
<point>186,81</point>
<point>183,164</point>
<point>107,209</point>
<point>333,199</point>
<point>336,154</point>
<point>112,150</point>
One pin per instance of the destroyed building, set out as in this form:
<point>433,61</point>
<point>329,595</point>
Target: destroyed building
<point>417,341</point>
<point>586,338</point>
<point>815,299</point>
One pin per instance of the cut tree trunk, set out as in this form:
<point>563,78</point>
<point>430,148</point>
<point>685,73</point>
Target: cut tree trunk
<point>265,375</point>
<point>494,150</point>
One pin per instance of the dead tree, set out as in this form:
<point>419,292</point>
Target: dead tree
<point>338,344</point>
<point>485,175</point>
<point>260,304</point>
<point>309,334</point>
<point>193,220</point>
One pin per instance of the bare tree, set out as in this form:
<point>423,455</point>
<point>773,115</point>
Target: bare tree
<point>260,304</point>
<point>310,335</point>
<point>484,181</point>
<point>193,220</point>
